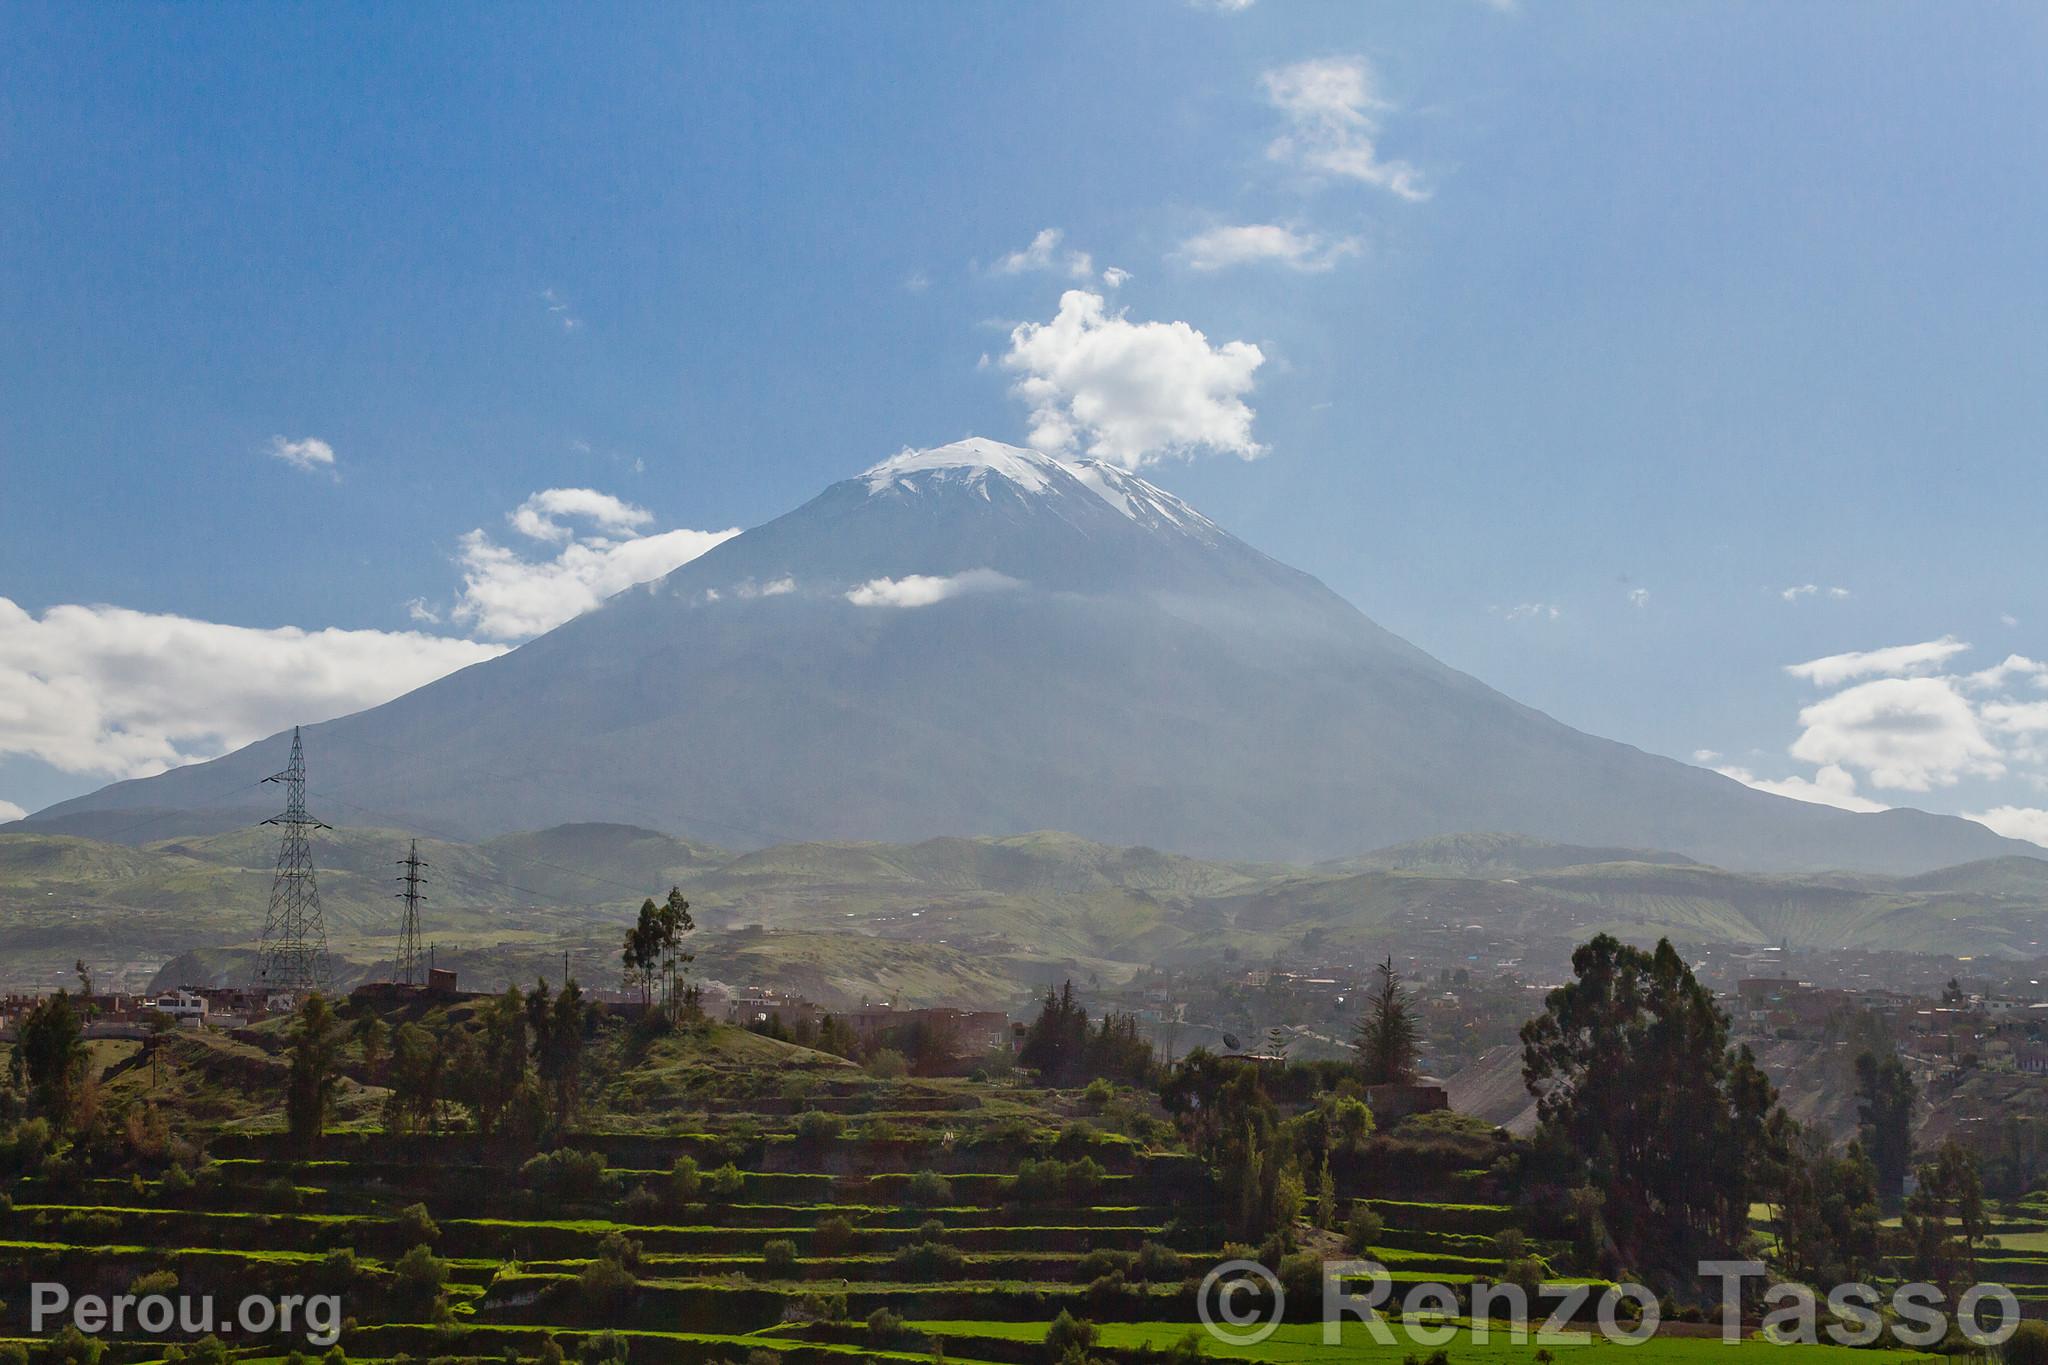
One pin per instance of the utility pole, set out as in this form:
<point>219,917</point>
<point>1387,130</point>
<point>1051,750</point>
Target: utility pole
<point>293,954</point>
<point>409,928</point>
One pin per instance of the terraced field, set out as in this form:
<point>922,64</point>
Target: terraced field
<point>725,1198</point>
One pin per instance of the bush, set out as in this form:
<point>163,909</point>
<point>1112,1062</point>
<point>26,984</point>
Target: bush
<point>643,1205</point>
<point>927,1189</point>
<point>833,1236</point>
<point>884,1327</point>
<point>2029,1345</point>
<point>337,1271</point>
<point>726,1182</point>
<point>565,1173</point>
<point>606,1285</point>
<point>1099,1262</point>
<point>1363,1228</point>
<point>1157,1264</point>
<point>928,1261</point>
<point>1098,1094</point>
<point>616,1246</point>
<point>606,1348</point>
<point>419,1276</point>
<point>73,1347</point>
<point>416,1225</point>
<point>684,1182</point>
<point>1301,1276</point>
<point>14,1353</point>
<point>177,1181</point>
<point>815,1129</point>
<point>1068,1335</point>
<point>778,1259</point>
<point>888,1065</point>
<point>155,1282</point>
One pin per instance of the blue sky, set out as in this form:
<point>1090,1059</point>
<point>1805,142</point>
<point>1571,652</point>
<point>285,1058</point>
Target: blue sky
<point>1585,334</point>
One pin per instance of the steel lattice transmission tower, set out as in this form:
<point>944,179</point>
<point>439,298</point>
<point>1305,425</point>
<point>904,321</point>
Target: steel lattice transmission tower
<point>293,956</point>
<point>410,968</point>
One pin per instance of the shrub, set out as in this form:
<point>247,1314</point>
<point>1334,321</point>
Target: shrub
<point>884,1326</point>
<point>1098,1094</point>
<point>616,1246</point>
<point>833,1236</point>
<point>419,1276</point>
<point>815,1129</point>
<point>888,1065</point>
<point>155,1282</point>
<point>1301,1276</point>
<point>1084,1179</point>
<point>14,1353</point>
<point>1069,1335</point>
<point>337,1271</point>
<point>724,1183</point>
<point>1157,1264</point>
<point>642,1204</point>
<point>928,1260</point>
<point>73,1347</point>
<point>177,1181</point>
<point>606,1285</point>
<point>1363,1228</point>
<point>684,1182</point>
<point>606,1348</point>
<point>928,1188</point>
<point>1106,1290</point>
<point>778,1259</point>
<point>565,1173</point>
<point>416,1225</point>
<point>2029,1345</point>
<point>208,1350</point>
<point>1099,1262</point>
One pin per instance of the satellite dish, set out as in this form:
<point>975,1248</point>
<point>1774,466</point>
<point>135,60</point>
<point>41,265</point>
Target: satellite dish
<point>1230,1041</point>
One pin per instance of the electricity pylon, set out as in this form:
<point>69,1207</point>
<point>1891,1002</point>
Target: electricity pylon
<point>409,966</point>
<point>293,955</point>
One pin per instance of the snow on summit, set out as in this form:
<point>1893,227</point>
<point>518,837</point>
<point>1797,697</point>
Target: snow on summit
<point>972,461</point>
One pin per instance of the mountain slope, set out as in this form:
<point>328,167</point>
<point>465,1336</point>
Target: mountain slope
<point>979,639</point>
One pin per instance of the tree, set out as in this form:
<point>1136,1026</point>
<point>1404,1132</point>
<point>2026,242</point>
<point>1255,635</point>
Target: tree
<point>315,1072</point>
<point>418,1074</point>
<point>1827,1210</point>
<point>373,1037</point>
<point>490,1069</point>
<point>1388,1040</point>
<point>50,1059</point>
<point>557,1026</point>
<point>1885,1094</point>
<point>1950,1196</point>
<point>1635,1080</point>
<point>1056,1044</point>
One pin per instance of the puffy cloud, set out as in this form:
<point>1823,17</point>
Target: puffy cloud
<point>2008,670</point>
<point>2015,822</point>
<point>10,812</point>
<point>1639,597</point>
<point>1116,277</point>
<point>1833,785</point>
<point>109,692</point>
<point>1044,254</point>
<point>1706,756</point>
<point>1912,734</point>
<point>1132,392</point>
<point>1793,594</point>
<point>1265,244</point>
<point>310,455</point>
<point>1333,124</point>
<point>541,516</point>
<point>921,590</point>
<point>507,596</point>
<point>1900,660</point>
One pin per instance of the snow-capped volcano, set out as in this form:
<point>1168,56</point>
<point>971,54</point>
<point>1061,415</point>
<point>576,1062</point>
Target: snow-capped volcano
<point>978,638</point>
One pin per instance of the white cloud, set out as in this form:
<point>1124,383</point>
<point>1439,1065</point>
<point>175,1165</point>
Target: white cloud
<point>1223,6</point>
<point>921,590</point>
<point>2015,822</point>
<point>749,590</point>
<point>1265,244</point>
<point>108,692</point>
<point>1333,116</point>
<point>1911,734</point>
<point>1832,785</point>
<point>1130,392</point>
<point>2013,666</point>
<point>1793,594</point>
<point>542,516</point>
<point>1044,254</point>
<point>507,596</point>
<point>422,611</point>
<point>1705,756</point>
<point>1531,611</point>
<point>1116,277</point>
<point>1898,660</point>
<point>1639,597</point>
<point>310,455</point>
<point>10,812</point>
